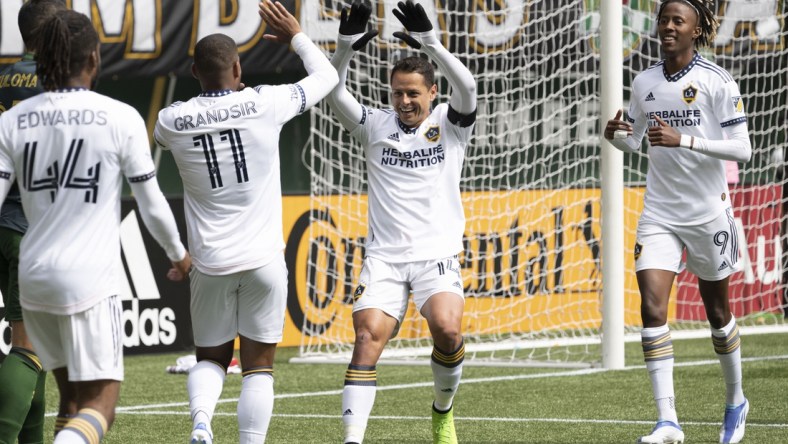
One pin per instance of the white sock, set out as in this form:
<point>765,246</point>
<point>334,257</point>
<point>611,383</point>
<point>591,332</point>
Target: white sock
<point>658,353</point>
<point>255,406</point>
<point>204,385</point>
<point>727,346</point>
<point>358,397</point>
<point>446,372</point>
<point>69,437</point>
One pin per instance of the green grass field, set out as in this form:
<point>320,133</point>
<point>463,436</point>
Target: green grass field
<point>494,405</point>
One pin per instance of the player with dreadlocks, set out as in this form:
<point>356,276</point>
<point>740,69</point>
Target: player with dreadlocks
<point>22,379</point>
<point>70,148</point>
<point>692,112</point>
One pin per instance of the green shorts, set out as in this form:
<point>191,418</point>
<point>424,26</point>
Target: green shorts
<point>9,273</point>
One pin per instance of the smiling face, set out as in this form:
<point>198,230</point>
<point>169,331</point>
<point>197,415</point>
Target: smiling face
<point>411,97</point>
<point>678,28</point>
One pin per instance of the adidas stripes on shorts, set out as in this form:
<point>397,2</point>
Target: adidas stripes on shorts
<point>712,249</point>
<point>89,343</point>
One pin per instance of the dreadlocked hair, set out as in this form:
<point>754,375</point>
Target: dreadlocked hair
<point>65,45</point>
<point>707,21</point>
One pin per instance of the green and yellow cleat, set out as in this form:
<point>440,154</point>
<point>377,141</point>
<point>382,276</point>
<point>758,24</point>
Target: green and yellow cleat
<point>443,427</point>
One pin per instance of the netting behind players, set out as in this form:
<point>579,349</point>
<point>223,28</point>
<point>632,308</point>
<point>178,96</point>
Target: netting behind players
<point>531,182</point>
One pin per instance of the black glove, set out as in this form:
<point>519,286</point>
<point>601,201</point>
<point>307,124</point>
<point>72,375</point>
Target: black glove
<point>354,21</point>
<point>414,19</point>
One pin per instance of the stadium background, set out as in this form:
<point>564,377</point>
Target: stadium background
<point>146,48</point>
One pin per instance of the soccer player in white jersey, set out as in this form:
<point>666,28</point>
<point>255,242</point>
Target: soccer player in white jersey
<point>70,148</point>
<point>692,113</point>
<point>226,145</point>
<point>414,157</point>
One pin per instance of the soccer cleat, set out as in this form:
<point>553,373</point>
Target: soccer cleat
<point>201,435</point>
<point>732,430</point>
<point>443,427</point>
<point>665,432</point>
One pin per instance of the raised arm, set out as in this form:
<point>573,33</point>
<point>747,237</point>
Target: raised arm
<point>322,76</point>
<point>421,35</point>
<point>352,37</point>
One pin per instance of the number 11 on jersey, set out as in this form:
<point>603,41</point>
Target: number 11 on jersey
<point>233,136</point>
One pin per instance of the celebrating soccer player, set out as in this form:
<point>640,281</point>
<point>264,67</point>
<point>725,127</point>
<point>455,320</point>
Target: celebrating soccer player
<point>226,145</point>
<point>70,148</point>
<point>414,156</point>
<point>693,115</point>
<point>22,380</point>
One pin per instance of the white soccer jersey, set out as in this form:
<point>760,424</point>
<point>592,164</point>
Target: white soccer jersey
<point>684,187</point>
<point>226,146</point>
<point>70,150</point>
<point>415,208</point>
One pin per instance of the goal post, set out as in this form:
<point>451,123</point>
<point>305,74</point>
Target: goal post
<point>536,264</point>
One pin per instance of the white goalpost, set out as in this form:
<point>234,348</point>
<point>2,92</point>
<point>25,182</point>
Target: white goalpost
<point>551,209</point>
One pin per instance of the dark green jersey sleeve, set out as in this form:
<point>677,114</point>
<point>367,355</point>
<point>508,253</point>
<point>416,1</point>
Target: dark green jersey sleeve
<point>17,82</point>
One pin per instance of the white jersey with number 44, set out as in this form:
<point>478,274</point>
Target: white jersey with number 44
<point>69,151</point>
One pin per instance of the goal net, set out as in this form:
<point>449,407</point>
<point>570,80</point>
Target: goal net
<point>531,263</point>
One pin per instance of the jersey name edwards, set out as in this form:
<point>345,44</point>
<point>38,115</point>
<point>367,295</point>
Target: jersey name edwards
<point>61,117</point>
<point>413,159</point>
<point>215,115</point>
<point>685,117</point>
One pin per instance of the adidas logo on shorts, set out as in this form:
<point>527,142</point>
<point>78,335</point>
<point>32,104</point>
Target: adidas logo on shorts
<point>723,266</point>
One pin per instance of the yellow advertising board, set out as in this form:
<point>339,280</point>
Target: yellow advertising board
<point>531,262</point>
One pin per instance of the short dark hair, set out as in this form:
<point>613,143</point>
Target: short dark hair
<point>67,40</point>
<point>707,21</point>
<point>214,54</point>
<point>32,15</point>
<point>415,65</point>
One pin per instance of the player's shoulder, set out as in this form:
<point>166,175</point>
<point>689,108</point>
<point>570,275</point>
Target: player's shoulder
<point>171,110</point>
<point>712,70</point>
<point>653,73</point>
<point>23,66</point>
<point>93,98</point>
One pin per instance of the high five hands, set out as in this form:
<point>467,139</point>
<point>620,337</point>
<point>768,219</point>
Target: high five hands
<point>354,21</point>
<point>414,19</point>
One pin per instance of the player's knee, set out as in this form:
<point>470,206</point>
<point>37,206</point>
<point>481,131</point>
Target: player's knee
<point>367,338</point>
<point>448,339</point>
<point>717,316</point>
<point>653,315</point>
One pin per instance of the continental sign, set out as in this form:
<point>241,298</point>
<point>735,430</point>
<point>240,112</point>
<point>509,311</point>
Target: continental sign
<point>157,37</point>
<point>531,260</point>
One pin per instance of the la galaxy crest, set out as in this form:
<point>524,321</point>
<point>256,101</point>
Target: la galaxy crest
<point>359,292</point>
<point>433,133</point>
<point>689,93</point>
<point>638,250</point>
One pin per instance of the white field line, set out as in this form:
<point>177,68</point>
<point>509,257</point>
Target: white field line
<point>457,418</point>
<point>147,409</point>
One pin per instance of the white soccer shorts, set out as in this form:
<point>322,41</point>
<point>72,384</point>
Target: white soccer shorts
<point>89,344</point>
<point>250,303</point>
<point>386,286</point>
<point>712,248</point>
